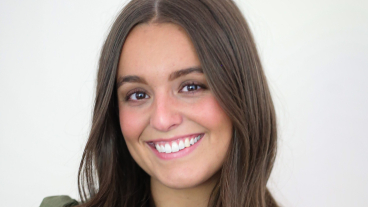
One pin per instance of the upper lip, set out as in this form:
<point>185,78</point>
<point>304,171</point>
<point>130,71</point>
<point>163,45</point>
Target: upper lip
<point>174,138</point>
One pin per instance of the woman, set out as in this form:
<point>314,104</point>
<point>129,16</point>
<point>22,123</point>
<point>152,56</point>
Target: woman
<point>183,115</point>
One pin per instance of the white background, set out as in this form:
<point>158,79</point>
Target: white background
<point>315,55</point>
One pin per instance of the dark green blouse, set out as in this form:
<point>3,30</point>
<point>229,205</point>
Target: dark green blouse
<point>58,201</point>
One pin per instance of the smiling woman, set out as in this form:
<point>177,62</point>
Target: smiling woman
<point>172,123</point>
<point>183,115</point>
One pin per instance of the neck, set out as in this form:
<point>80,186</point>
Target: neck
<point>198,196</point>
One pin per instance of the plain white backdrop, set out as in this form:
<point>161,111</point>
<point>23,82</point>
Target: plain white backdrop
<point>315,55</point>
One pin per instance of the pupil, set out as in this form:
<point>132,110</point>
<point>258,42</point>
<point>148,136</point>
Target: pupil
<point>192,87</point>
<point>140,95</point>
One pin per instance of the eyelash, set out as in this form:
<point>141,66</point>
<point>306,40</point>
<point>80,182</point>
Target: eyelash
<point>199,87</point>
<point>135,91</point>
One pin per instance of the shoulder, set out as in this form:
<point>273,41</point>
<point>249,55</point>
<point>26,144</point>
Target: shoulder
<point>58,201</point>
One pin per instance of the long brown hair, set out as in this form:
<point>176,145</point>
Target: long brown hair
<point>108,175</point>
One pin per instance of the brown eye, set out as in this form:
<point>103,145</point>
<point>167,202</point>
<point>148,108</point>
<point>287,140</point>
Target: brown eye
<point>191,88</point>
<point>139,95</point>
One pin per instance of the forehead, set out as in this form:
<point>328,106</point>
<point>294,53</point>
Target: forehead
<point>156,49</point>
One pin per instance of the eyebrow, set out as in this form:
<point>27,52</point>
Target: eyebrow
<point>130,79</point>
<point>174,75</point>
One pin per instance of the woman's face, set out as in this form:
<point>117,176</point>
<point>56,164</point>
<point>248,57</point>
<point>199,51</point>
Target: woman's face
<point>172,124</point>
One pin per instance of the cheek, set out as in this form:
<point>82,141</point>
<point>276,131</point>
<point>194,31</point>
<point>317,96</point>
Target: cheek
<point>209,113</point>
<point>131,123</point>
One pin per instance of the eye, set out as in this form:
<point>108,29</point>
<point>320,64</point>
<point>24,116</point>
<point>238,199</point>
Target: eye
<point>136,96</point>
<point>192,87</point>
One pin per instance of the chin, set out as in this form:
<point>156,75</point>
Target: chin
<point>182,180</point>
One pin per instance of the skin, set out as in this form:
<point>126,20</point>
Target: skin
<point>159,107</point>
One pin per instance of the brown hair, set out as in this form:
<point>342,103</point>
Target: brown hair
<point>108,175</point>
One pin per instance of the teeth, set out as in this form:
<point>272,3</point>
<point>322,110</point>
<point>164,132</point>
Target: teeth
<point>174,147</point>
<point>191,141</point>
<point>158,148</point>
<point>167,148</point>
<point>181,145</point>
<point>186,143</point>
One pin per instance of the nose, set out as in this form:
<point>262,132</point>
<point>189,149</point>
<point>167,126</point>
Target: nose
<point>166,113</point>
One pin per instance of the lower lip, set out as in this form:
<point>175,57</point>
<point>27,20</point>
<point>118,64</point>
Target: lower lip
<point>179,154</point>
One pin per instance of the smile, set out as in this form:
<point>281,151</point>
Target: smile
<point>176,145</point>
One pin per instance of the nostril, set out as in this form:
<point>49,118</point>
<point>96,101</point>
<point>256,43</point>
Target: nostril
<point>166,113</point>
<point>165,122</point>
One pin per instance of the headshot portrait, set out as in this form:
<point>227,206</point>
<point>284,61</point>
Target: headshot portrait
<point>216,103</point>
